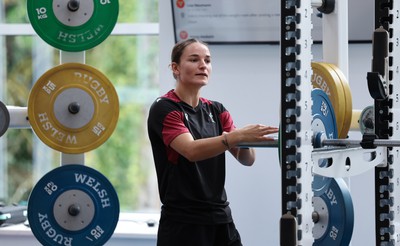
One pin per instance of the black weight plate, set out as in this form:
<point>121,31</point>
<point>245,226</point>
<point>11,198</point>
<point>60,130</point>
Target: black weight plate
<point>4,119</point>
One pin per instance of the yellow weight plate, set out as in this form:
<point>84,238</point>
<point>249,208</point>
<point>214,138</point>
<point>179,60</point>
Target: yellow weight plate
<point>73,108</point>
<point>348,102</point>
<point>325,78</point>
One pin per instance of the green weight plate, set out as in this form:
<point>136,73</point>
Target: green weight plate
<point>73,25</point>
<point>279,146</point>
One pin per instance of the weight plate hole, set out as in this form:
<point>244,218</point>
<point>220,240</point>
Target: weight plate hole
<point>74,209</point>
<point>73,5</point>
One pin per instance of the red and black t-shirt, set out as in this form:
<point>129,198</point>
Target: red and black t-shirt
<point>189,191</point>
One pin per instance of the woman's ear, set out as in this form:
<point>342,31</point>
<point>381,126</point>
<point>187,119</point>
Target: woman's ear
<point>174,68</point>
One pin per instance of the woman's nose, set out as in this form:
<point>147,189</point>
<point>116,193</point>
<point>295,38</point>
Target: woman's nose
<point>202,64</point>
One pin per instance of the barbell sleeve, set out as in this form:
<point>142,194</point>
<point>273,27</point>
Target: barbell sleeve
<point>356,143</point>
<point>18,117</point>
<point>326,142</point>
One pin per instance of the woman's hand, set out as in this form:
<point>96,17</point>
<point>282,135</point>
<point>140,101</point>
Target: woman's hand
<point>251,133</point>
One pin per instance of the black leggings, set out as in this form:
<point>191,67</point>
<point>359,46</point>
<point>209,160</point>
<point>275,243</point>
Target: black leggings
<point>172,233</point>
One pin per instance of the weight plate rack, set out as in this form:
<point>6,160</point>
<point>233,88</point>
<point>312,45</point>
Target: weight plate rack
<point>73,108</point>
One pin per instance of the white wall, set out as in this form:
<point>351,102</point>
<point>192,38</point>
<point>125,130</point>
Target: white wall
<point>246,78</point>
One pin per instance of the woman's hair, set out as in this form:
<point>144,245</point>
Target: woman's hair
<point>179,47</point>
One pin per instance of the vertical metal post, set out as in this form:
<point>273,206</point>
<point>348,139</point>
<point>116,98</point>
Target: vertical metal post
<point>387,121</point>
<point>335,36</point>
<point>41,61</point>
<point>78,57</point>
<point>296,117</point>
<point>3,140</point>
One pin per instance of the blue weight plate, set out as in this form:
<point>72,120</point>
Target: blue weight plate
<point>324,120</point>
<point>73,205</point>
<point>335,215</point>
<point>322,109</point>
<point>4,119</point>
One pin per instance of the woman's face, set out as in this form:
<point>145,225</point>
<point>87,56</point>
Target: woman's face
<point>195,65</point>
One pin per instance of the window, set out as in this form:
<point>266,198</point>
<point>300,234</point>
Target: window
<point>129,58</point>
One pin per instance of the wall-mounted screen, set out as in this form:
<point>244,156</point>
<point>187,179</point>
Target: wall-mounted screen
<point>255,21</point>
<point>226,21</point>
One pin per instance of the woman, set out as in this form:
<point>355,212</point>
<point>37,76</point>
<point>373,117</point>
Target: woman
<point>189,136</point>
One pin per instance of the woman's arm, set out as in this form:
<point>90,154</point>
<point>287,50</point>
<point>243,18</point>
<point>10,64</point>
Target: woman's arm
<point>200,149</point>
<point>245,156</point>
